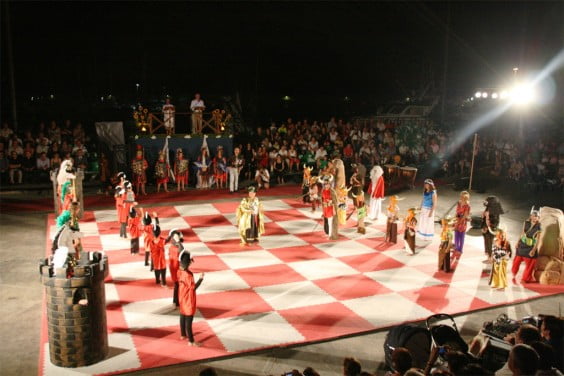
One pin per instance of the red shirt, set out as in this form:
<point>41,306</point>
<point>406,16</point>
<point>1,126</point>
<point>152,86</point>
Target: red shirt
<point>186,292</point>
<point>134,227</point>
<point>378,191</point>
<point>462,212</point>
<point>147,236</point>
<point>327,201</point>
<point>173,263</point>
<point>158,253</point>
<point>119,206</point>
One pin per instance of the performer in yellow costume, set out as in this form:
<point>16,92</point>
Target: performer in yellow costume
<point>250,219</point>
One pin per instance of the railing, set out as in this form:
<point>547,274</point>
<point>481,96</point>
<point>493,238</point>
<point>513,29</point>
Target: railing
<point>215,121</point>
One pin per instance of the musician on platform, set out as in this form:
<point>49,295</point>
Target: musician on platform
<point>197,107</point>
<point>168,117</point>
<point>139,167</point>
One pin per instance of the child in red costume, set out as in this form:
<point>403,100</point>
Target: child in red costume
<point>148,234</point>
<point>175,238</point>
<point>134,229</point>
<point>187,297</point>
<point>158,255</point>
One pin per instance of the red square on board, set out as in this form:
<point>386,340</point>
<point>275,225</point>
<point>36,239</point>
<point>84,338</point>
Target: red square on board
<point>91,243</point>
<point>269,275</point>
<point>325,321</point>
<point>108,228</point>
<point>131,291</point>
<point>207,220</point>
<point>298,253</point>
<point>351,286</point>
<point>444,298</point>
<point>319,236</point>
<point>228,207</point>
<point>231,303</point>
<point>285,215</point>
<point>231,245</point>
<point>207,264</point>
<point>271,228</point>
<point>370,262</point>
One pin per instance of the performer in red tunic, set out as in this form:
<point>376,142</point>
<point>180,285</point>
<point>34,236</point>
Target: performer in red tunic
<point>158,255</point>
<point>139,166</point>
<point>119,196</point>
<point>148,233</point>
<point>134,229</point>
<point>175,238</point>
<point>161,172</point>
<point>181,170</point>
<point>328,201</point>
<point>187,297</point>
<point>128,198</point>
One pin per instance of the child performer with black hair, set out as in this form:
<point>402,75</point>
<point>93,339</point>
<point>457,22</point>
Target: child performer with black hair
<point>158,255</point>
<point>148,233</point>
<point>187,297</point>
<point>134,229</point>
<point>175,238</point>
<point>501,253</point>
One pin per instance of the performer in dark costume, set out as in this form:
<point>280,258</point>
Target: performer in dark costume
<point>490,223</point>
<point>410,225</point>
<point>134,229</point>
<point>526,250</point>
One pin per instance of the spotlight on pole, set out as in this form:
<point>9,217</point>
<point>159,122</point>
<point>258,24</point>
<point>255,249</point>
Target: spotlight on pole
<point>523,94</point>
<point>478,94</point>
<point>503,94</point>
<point>494,96</point>
<point>485,94</point>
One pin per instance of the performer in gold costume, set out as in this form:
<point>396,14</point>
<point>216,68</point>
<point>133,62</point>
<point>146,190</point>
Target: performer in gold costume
<point>250,219</point>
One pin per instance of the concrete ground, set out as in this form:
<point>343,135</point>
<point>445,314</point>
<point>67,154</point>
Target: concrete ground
<point>22,245</point>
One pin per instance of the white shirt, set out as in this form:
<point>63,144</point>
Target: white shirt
<point>196,103</point>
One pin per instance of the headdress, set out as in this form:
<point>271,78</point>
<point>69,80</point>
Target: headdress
<point>121,174</point>
<point>127,184</point>
<point>251,188</point>
<point>147,219</point>
<point>132,212</point>
<point>156,230</point>
<point>176,235</point>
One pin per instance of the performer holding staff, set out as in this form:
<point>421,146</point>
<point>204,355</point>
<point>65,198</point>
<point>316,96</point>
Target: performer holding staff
<point>197,107</point>
<point>139,166</point>
<point>250,220</point>
<point>161,172</point>
<point>426,224</point>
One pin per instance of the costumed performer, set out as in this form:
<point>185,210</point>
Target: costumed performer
<point>158,255</point>
<point>128,198</point>
<point>490,223</point>
<point>342,193</point>
<point>219,164</point>
<point>376,192</point>
<point>139,167</point>
<point>462,218</point>
<point>360,207</point>
<point>446,244</point>
<point>176,240</point>
<point>187,297</point>
<point>501,253</point>
<point>168,117</point>
<point>391,224</point>
<point>181,170</point>
<point>148,234</point>
<point>161,172</point>
<point>526,249</point>
<point>410,225</point>
<point>69,235</point>
<point>134,229</point>
<point>313,193</point>
<point>65,185</point>
<point>329,203</point>
<point>236,163</point>
<point>203,163</point>
<point>426,224</point>
<point>250,220</point>
<point>306,181</point>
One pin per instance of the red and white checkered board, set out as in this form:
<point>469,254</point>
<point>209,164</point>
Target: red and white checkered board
<point>296,286</point>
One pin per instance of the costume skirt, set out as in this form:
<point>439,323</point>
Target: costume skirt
<point>426,224</point>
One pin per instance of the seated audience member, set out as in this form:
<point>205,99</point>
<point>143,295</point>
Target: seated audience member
<point>351,367</point>
<point>15,167</point>
<point>523,360</point>
<point>262,177</point>
<point>401,362</point>
<point>551,332</point>
<point>310,372</point>
<point>456,360</point>
<point>80,160</point>
<point>547,359</point>
<point>29,164</point>
<point>43,167</point>
<point>3,166</point>
<point>208,372</point>
<point>473,369</point>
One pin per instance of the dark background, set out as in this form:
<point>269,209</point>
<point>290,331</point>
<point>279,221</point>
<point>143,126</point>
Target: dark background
<point>315,52</point>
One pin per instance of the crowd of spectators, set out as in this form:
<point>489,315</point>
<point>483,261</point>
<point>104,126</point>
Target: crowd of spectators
<point>28,157</point>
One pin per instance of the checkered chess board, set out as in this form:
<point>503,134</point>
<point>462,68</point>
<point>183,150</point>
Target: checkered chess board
<point>295,286</point>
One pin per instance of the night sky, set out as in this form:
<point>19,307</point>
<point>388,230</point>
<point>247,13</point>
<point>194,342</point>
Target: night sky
<point>377,50</point>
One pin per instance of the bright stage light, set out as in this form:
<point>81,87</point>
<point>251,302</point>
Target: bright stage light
<point>478,94</point>
<point>503,94</point>
<point>494,95</point>
<point>485,94</point>
<point>523,94</point>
